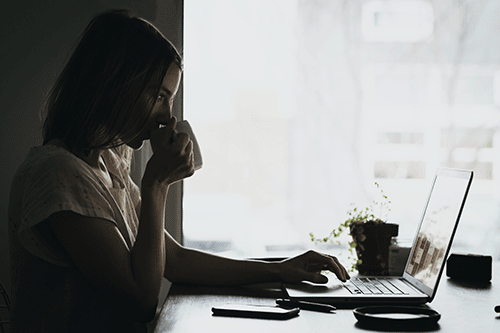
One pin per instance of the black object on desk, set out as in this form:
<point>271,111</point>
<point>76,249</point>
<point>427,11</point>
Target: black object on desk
<point>396,316</point>
<point>254,311</point>
<point>286,303</point>
<point>469,267</point>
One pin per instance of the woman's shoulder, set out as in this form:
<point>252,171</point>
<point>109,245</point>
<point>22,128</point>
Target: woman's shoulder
<point>49,161</point>
<point>45,156</point>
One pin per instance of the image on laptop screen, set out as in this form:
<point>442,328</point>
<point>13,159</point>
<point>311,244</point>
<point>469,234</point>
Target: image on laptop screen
<point>436,229</point>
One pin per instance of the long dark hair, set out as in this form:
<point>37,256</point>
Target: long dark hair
<point>91,105</point>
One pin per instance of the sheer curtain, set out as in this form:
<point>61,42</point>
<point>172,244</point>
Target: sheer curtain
<point>301,106</point>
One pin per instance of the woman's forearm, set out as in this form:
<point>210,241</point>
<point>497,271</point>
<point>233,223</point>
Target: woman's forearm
<point>148,253</point>
<point>196,267</point>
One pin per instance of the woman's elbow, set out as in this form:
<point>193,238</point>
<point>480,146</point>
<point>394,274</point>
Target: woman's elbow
<point>145,311</point>
<point>141,308</point>
<point>171,276</point>
<point>175,264</point>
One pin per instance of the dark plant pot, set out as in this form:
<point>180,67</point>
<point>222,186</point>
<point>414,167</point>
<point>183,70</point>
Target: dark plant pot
<point>372,246</point>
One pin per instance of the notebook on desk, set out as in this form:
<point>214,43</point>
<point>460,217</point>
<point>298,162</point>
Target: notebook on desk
<point>426,261</point>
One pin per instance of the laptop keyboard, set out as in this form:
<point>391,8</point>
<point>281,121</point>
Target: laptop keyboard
<point>373,286</point>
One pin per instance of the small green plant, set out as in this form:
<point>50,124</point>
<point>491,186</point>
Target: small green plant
<point>357,216</point>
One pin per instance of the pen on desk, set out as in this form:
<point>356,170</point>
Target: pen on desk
<point>305,305</point>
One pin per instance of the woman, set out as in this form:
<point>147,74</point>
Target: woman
<point>89,250</point>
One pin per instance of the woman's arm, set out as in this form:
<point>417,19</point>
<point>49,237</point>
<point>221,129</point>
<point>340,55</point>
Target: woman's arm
<point>191,266</point>
<point>130,278</point>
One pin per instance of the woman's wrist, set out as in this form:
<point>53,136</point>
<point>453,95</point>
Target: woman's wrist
<point>153,188</point>
<point>273,271</point>
<point>278,271</point>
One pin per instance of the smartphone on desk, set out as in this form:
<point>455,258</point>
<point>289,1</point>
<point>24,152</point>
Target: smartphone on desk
<point>254,311</point>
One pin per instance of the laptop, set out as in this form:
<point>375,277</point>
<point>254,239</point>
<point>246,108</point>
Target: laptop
<point>426,261</point>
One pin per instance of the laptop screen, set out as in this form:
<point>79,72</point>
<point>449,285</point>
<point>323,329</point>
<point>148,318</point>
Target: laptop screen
<point>438,226</point>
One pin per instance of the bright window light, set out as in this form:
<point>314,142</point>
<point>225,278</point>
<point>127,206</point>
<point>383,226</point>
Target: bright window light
<point>300,106</point>
<point>398,21</point>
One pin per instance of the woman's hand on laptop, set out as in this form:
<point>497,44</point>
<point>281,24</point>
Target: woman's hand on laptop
<point>308,267</point>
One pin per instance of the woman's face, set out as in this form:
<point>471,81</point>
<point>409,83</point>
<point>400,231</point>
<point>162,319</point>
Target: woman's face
<point>163,102</point>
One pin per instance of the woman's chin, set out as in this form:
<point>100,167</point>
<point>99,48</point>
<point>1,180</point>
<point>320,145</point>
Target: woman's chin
<point>136,145</point>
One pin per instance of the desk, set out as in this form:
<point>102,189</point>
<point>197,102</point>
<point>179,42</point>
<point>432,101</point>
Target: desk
<point>464,308</point>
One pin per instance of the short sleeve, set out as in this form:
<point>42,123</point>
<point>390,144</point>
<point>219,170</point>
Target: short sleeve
<point>59,182</point>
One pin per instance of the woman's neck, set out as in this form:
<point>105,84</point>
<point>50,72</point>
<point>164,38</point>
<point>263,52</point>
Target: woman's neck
<point>91,159</point>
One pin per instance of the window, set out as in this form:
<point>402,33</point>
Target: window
<point>397,21</point>
<point>299,107</point>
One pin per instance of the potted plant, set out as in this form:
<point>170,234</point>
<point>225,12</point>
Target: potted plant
<point>371,237</point>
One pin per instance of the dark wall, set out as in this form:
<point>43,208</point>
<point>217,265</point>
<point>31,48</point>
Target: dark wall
<point>36,38</point>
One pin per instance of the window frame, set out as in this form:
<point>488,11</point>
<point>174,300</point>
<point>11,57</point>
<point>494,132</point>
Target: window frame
<point>169,19</point>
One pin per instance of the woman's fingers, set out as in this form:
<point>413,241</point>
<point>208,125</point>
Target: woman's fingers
<point>342,267</point>
<point>173,158</point>
<point>319,261</point>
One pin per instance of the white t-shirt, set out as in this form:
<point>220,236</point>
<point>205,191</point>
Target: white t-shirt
<point>49,294</point>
